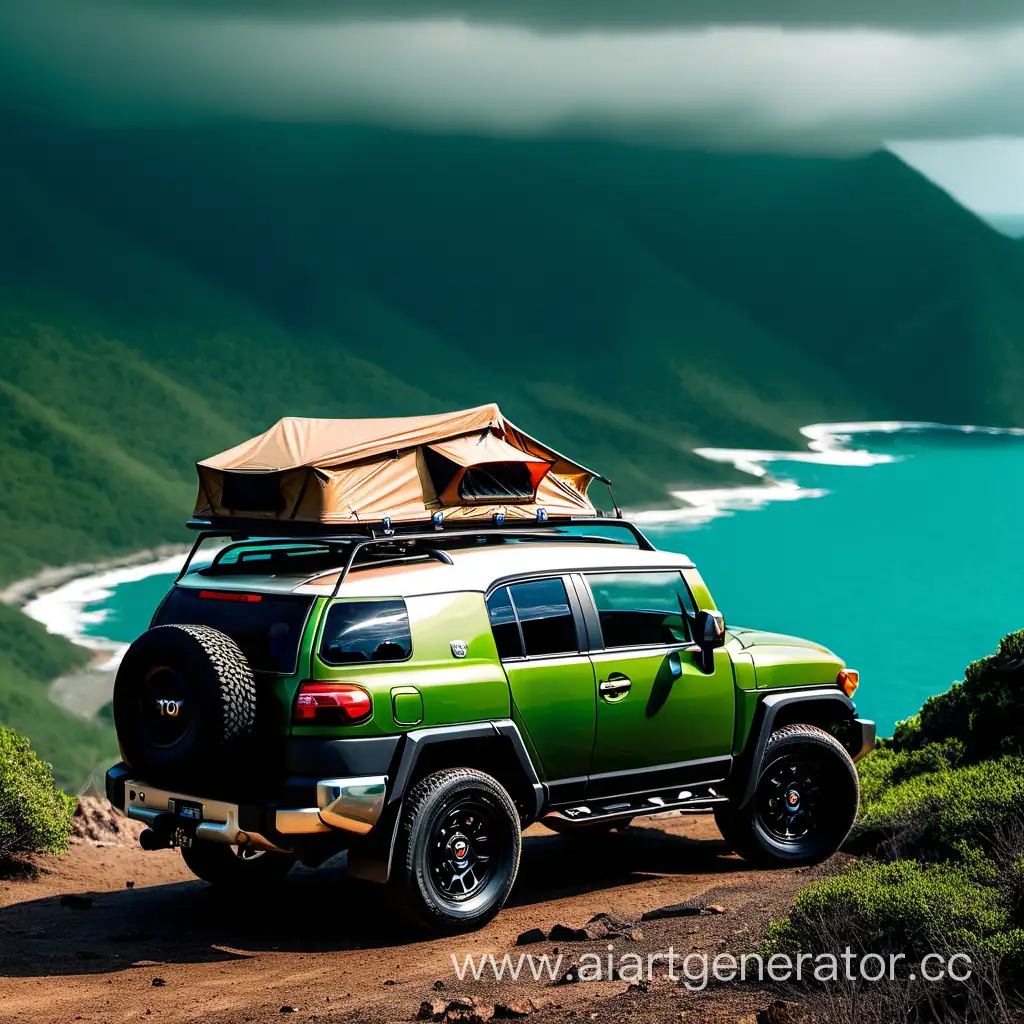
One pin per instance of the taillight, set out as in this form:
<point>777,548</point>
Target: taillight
<point>331,704</point>
<point>230,595</point>
<point>849,680</point>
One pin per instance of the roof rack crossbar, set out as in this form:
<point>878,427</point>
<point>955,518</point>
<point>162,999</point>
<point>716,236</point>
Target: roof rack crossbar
<point>243,532</point>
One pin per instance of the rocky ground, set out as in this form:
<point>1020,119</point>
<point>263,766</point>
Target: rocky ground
<point>111,933</point>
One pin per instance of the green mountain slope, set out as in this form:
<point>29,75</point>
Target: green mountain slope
<point>164,294</point>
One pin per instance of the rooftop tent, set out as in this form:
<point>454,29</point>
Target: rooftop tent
<point>468,464</point>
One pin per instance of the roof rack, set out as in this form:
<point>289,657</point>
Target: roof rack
<point>353,541</point>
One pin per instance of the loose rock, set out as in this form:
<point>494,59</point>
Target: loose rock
<point>431,1009</point>
<point>688,909</point>
<point>570,976</point>
<point>530,936</point>
<point>159,982</point>
<point>513,1011</point>
<point>614,924</point>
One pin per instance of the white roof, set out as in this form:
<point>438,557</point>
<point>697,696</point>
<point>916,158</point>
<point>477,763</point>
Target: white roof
<point>473,569</point>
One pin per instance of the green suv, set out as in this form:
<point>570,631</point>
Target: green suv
<point>419,698</point>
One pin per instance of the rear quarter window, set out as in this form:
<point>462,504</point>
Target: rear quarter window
<point>357,632</point>
<point>532,618</point>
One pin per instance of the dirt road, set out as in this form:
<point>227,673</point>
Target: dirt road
<point>156,944</point>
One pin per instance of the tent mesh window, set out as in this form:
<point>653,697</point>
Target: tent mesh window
<point>252,492</point>
<point>442,471</point>
<point>497,481</point>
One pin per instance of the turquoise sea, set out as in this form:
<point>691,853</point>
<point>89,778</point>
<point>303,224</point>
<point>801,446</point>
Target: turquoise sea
<point>908,569</point>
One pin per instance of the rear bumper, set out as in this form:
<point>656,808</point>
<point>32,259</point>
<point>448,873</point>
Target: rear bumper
<point>863,737</point>
<point>350,806</point>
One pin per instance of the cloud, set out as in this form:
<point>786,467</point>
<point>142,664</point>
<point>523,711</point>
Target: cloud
<point>569,15</point>
<point>745,87</point>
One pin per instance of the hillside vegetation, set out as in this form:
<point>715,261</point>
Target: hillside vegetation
<point>167,293</point>
<point>941,844</point>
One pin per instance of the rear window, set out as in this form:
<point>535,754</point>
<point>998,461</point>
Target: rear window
<point>267,627</point>
<point>361,631</point>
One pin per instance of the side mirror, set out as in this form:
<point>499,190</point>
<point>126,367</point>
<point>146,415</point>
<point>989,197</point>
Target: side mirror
<point>708,634</point>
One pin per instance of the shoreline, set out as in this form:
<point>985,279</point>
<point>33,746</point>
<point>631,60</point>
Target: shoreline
<point>827,445</point>
<point>22,592</point>
<point>57,598</point>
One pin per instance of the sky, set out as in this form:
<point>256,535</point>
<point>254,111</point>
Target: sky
<point>939,81</point>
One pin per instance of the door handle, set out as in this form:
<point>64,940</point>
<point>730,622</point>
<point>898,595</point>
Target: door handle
<point>615,686</point>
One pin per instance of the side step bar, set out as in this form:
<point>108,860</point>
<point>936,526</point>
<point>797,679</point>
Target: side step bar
<point>584,814</point>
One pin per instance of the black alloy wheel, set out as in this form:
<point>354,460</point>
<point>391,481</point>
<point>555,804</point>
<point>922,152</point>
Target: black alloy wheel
<point>790,798</point>
<point>803,806</point>
<point>463,843</point>
<point>457,852</point>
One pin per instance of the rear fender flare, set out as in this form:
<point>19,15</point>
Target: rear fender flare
<point>371,858</point>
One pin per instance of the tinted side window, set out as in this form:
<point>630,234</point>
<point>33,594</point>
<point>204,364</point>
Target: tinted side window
<point>641,608</point>
<point>542,608</point>
<point>504,625</point>
<point>360,631</point>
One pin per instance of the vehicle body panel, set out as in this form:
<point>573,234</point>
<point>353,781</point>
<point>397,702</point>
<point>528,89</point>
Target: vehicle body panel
<point>472,688</point>
<point>554,699</point>
<point>673,712</point>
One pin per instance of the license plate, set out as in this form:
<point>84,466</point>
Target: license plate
<point>185,809</point>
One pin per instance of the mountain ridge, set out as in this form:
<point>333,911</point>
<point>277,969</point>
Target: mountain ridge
<point>166,293</point>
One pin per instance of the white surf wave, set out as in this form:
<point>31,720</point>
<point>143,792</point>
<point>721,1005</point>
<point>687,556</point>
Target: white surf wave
<point>828,444</point>
<point>68,610</point>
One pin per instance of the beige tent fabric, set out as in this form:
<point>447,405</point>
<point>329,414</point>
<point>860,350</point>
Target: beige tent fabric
<point>407,468</point>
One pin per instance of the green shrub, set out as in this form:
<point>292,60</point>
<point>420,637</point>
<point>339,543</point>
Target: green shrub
<point>985,712</point>
<point>902,906</point>
<point>943,815</point>
<point>886,766</point>
<point>1007,951</point>
<point>35,816</point>
<point>906,733</point>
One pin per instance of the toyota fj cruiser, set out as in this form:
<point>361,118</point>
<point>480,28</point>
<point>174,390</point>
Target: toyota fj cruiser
<point>418,698</point>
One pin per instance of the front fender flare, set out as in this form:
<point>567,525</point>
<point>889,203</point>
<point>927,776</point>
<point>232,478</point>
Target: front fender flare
<point>768,711</point>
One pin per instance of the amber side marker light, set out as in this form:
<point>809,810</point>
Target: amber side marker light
<point>849,680</point>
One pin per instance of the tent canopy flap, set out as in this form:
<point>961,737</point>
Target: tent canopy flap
<point>467,464</point>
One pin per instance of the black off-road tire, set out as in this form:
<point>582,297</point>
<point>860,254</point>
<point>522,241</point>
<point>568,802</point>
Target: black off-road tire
<point>235,869</point>
<point>204,677</point>
<point>433,821</point>
<point>804,805</point>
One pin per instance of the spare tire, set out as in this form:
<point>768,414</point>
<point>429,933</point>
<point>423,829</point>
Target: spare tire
<point>184,701</point>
